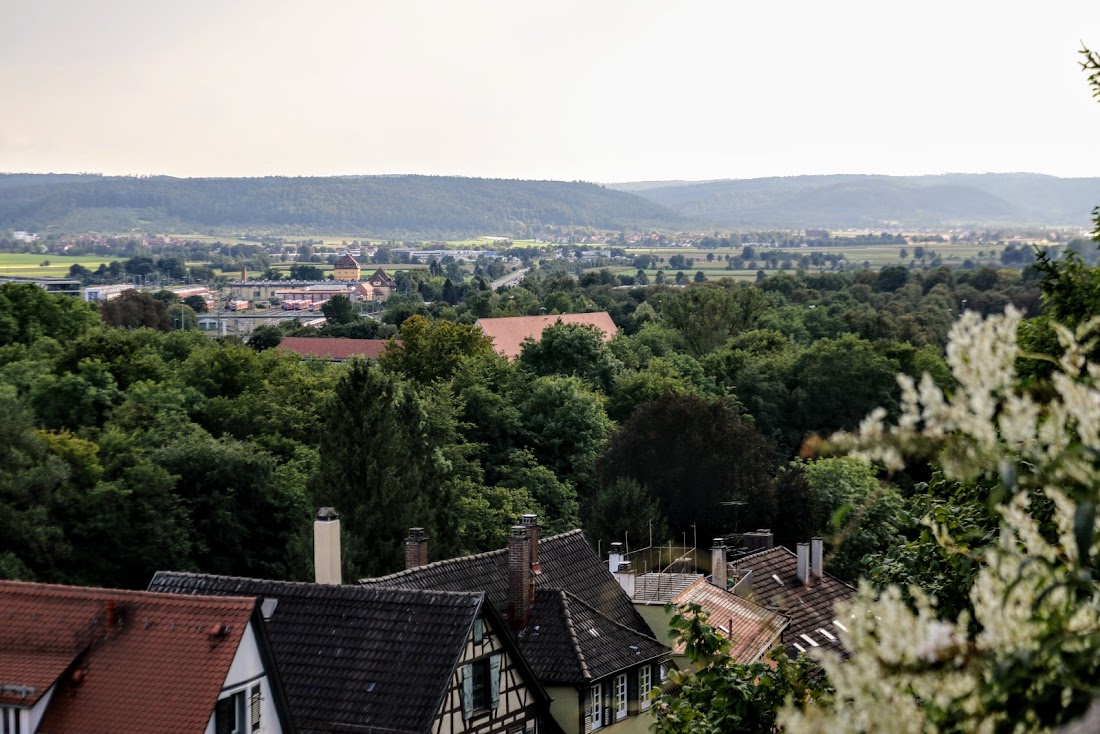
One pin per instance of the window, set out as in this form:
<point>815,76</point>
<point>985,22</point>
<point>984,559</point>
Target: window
<point>254,705</point>
<point>620,697</point>
<point>664,672</point>
<point>230,714</point>
<point>597,706</point>
<point>479,630</point>
<point>480,685</point>
<point>645,683</point>
<point>9,720</point>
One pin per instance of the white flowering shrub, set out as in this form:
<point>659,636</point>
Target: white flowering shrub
<point>1031,659</point>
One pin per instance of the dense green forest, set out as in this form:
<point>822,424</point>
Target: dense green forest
<point>382,206</point>
<point>136,449</point>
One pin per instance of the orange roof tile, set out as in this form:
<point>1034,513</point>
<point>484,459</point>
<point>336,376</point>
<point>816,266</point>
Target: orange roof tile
<point>337,350</point>
<point>751,628</point>
<point>509,332</point>
<point>157,668</point>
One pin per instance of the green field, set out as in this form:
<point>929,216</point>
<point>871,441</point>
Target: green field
<point>12,263</point>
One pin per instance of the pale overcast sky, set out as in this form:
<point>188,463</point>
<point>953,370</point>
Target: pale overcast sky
<point>599,90</point>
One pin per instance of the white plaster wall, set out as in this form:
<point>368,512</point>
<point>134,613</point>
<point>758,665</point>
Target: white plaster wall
<point>246,671</point>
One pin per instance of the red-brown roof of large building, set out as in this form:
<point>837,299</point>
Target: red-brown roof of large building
<point>509,332</point>
<point>337,350</point>
<point>120,660</point>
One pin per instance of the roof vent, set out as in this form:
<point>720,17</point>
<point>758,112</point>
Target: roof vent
<point>267,608</point>
<point>218,630</point>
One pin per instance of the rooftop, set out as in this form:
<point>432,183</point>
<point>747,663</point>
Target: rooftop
<point>751,628</point>
<point>661,588</point>
<point>105,649</point>
<point>810,607</point>
<point>336,647</point>
<point>509,332</point>
<point>337,350</point>
<point>574,591</point>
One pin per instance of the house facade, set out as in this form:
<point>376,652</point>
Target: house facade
<point>401,661</point>
<point>586,644</point>
<point>346,268</point>
<point>77,660</point>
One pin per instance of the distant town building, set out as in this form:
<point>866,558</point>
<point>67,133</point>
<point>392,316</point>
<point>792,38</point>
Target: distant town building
<point>59,286</point>
<point>509,332</point>
<point>346,269</point>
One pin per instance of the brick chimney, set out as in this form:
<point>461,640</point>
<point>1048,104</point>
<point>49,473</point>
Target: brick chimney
<point>817,557</point>
<point>718,563</point>
<point>416,548</point>
<point>531,522</point>
<point>803,560</point>
<point>326,546</point>
<point>519,578</point>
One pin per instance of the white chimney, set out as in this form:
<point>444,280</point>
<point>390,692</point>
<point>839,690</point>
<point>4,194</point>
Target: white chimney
<point>718,563</point>
<point>615,557</point>
<point>803,563</point>
<point>817,557</point>
<point>625,576</point>
<point>326,546</point>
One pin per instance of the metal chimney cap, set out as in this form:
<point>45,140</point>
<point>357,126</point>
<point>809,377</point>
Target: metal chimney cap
<point>327,514</point>
<point>519,531</point>
<point>530,518</point>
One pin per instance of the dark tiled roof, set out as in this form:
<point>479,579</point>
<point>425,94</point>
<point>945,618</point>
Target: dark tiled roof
<point>333,348</point>
<point>381,278</point>
<point>751,628</point>
<point>48,633</point>
<point>775,585</point>
<point>346,262</point>
<point>572,581</point>
<point>508,332</point>
<point>354,658</point>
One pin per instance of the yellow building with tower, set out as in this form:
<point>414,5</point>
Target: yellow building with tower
<point>346,268</point>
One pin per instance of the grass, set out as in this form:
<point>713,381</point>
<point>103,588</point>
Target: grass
<point>30,265</point>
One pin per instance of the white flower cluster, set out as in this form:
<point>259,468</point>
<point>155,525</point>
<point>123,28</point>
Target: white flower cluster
<point>907,668</point>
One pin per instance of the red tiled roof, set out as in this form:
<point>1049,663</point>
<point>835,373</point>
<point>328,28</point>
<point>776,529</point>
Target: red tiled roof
<point>509,332</point>
<point>157,669</point>
<point>751,628</point>
<point>337,350</point>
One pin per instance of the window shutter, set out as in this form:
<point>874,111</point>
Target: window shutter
<point>494,681</point>
<point>254,704</point>
<point>467,691</point>
<point>225,715</point>
<point>479,630</point>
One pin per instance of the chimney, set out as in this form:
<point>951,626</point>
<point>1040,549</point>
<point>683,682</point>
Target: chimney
<point>803,563</point>
<point>718,563</point>
<point>817,557</point>
<point>625,576</point>
<point>519,578</point>
<point>110,613</point>
<point>531,522</point>
<point>326,546</point>
<point>615,557</point>
<point>416,548</point>
<point>244,274</point>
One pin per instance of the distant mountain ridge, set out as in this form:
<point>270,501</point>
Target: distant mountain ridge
<point>851,200</point>
<point>424,206</point>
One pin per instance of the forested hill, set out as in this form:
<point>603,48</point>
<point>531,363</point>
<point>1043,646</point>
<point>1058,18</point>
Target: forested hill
<point>425,206</point>
<point>873,201</point>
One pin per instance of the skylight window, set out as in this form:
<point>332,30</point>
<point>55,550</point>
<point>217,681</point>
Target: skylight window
<point>810,640</point>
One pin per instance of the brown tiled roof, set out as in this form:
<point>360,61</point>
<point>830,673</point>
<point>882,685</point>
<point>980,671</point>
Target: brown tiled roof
<point>381,278</point>
<point>775,585</point>
<point>509,332</point>
<point>157,669</point>
<point>337,350</point>
<point>751,628</point>
<point>347,262</point>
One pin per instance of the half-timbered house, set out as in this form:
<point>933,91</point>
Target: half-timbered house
<point>572,621</point>
<point>399,661</point>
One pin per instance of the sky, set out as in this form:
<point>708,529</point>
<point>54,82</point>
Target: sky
<point>594,90</point>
